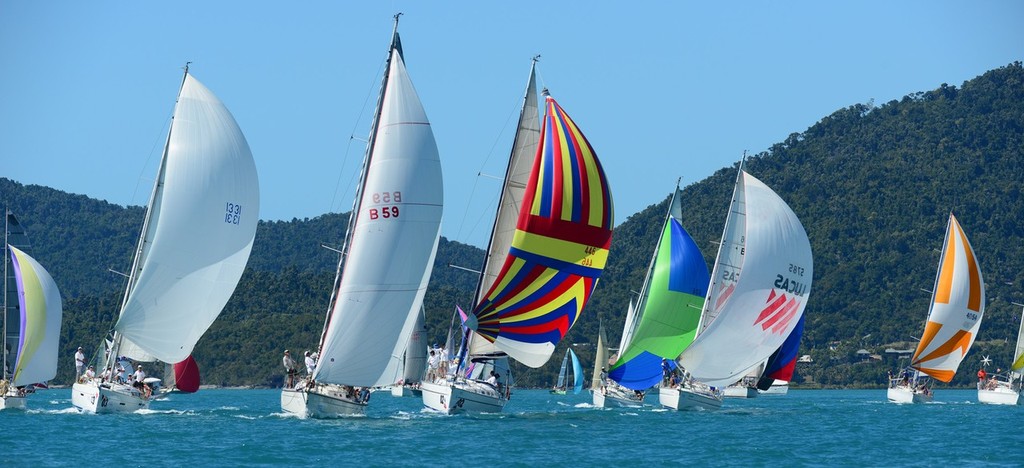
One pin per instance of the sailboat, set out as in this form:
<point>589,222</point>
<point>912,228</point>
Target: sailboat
<point>954,316</point>
<point>389,247</point>
<point>746,387</point>
<point>33,327</point>
<point>196,237</point>
<point>414,361</point>
<point>760,284</point>
<point>548,246</point>
<point>562,385</point>
<point>1005,389</point>
<point>664,321</point>
<point>779,368</point>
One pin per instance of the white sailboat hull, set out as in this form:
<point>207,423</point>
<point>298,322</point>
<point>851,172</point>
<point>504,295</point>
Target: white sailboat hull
<point>462,396</point>
<point>739,391</point>
<point>613,396</point>
<point>321,402</point>
<point>92,397</point>
<point>777,388</point>
<point>405,391</point>
<point>906,394</point>
<point>12,402</point>
<point>998,393</point>
<point>687,398</point>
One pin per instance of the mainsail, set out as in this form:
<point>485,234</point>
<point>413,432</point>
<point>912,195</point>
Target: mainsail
<point>670,305</point>
<point>600,359</point>
<point>199,229</point>
<point>1018,352</point>
<point>760,284</point>
<point>391,241</point>
<point>558,250</point>
<point>957,307</point>
<point>41,313</point>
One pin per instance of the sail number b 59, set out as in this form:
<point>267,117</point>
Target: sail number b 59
<point>385,211</point>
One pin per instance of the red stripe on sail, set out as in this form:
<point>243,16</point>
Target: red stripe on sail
<point>789,312</point>
<point>772,307</point>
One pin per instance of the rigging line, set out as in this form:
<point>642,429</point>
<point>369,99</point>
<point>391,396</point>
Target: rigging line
<point>497,139</point>
<point>352,135</point>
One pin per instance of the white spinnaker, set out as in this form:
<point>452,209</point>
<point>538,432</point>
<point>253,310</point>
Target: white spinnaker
<point>41,313</point>
<point>389,258</point>
<point>776,266</point>
<point>517,175</point>
<point>202,225</point>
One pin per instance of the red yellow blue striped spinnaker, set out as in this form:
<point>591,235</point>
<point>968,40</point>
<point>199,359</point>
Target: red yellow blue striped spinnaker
<point>559,249</point>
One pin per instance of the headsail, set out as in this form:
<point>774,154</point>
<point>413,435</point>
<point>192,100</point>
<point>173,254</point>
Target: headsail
<point>1018,352</point>
<point>200,228</point>
<point>670,305</point>
<point>600,359</point>
<point>758,309</point>
<point>395,228</point>
<point>957,306</point>
<point>559,248</point>
<point>41,313</point>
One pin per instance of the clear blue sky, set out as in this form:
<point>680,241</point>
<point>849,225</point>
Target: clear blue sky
<point>678,89</point>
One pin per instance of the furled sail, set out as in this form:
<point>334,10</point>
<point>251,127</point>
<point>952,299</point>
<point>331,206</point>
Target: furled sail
<point>760,285</point>
<point>670,305</point>
<point>957,306</point>
<point>200,229</point>
<point>558,250</point>
<point>41,313</point>
<point>390,249</point>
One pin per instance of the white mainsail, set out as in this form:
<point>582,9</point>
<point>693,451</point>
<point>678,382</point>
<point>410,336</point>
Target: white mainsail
<point>415,359</point>
<point>632,319</point>
<point>760,285</point>
<point>517,175</point>
<point>200,227</point>
<point>41,312</point>
<point>390,249</point>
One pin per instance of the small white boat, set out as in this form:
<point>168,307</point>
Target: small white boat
<point>454,396</point>
<point>613,395</point>
<point>778,387</point>
<point>1005,389</point>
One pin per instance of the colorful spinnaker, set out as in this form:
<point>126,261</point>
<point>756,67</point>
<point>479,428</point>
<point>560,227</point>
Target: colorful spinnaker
<point>558,250</point>
<point>957,306</point>
<point>670,303</point>
<point>41,312</point>
<point>186,375</point>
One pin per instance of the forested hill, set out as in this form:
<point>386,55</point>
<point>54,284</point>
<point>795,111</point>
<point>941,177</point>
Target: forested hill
<point>872,184</point>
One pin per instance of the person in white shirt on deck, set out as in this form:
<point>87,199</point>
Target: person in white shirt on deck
<point>310,363</point>
<point>79,363</point>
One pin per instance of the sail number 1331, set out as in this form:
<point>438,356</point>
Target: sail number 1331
<point>387,211</point>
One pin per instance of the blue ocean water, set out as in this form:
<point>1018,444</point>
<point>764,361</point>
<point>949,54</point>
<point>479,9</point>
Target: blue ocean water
<point>224,427</point>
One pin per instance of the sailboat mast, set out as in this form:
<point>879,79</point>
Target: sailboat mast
<point>7,259</point>
<point>353,215</point>
<point>704,322</point>
<point>144,234</point>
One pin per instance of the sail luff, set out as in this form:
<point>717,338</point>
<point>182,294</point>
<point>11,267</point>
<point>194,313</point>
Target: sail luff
<point>717,291</point>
